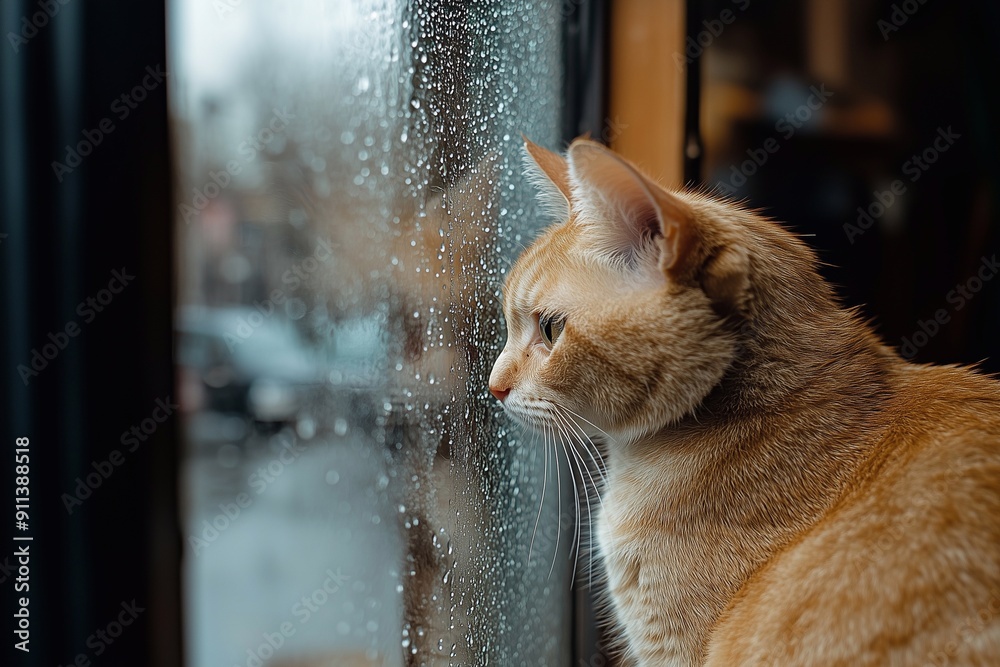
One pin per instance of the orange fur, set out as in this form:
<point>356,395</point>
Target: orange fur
<point>782,487</point>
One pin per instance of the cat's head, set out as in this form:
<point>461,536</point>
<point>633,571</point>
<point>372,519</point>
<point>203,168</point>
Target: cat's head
<point>629,312</point>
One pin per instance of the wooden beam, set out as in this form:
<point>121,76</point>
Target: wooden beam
<point>647,84</point>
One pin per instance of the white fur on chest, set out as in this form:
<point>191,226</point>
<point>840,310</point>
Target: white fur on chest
<point>659,574</point>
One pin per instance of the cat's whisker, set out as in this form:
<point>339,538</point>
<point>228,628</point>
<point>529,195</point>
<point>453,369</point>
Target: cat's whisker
<point>591,449</point>
<point>523,447</point>
<point>555,463</point>
<point>589,423</point>
<point>588,445</point>
<point>581,466</point>
<point>531,465</point>
<point>585,439</point>
<point>573,427</point>
<point>576,500</point>
<point>541,501</point>
<point>590,517</point>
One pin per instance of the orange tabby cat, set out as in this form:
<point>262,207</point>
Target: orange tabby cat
<point>782,487</point>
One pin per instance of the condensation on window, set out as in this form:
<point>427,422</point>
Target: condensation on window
<point>349,197</point>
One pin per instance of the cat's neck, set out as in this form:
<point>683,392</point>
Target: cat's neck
<point>769,452</point>
<point>819,391</point>
<point>804,408</point>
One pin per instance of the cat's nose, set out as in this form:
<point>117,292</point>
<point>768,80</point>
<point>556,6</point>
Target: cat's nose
<point>499,393</point>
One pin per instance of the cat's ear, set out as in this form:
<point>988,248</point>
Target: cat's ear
<point>628,213</point>
<point>625,209</point>
<point>549,173</point>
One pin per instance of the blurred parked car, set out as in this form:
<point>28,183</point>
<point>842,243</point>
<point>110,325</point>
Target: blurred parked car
<point>237,360</point>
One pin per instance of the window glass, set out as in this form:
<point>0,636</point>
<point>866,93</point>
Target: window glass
<point>349,198</point>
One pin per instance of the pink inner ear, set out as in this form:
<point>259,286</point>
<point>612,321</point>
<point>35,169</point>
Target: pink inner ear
<point>648,225</point>
<point>613,199</point>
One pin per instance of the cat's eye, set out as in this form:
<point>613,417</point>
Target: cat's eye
<point>550,327</point>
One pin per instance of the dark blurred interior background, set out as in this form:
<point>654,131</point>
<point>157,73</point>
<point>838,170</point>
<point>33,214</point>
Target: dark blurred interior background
<point>906,103</point>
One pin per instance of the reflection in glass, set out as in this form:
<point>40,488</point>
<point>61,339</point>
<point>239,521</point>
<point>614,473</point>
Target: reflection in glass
<point>350,197</point>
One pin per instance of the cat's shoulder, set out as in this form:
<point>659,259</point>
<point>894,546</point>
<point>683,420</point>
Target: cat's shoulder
<point>922,524</point>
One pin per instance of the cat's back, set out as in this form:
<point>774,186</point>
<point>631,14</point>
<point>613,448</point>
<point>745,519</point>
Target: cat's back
<point>906,568</point>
